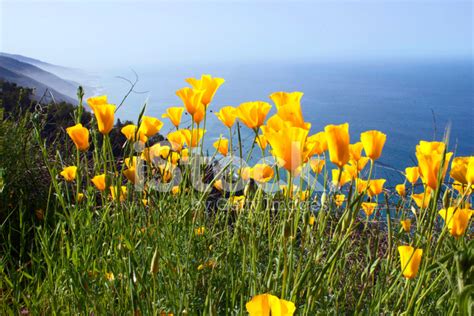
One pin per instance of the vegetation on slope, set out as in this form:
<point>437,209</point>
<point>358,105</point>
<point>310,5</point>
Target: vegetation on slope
<point>152,230</point>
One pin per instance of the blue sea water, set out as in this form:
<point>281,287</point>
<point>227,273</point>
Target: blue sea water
<point>409,101</point>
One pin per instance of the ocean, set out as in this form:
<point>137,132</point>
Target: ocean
<point>409,101</point>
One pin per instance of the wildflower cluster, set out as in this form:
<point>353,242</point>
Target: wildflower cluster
<point>345,167</point>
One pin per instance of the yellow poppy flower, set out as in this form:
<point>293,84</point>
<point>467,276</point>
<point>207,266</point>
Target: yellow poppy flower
<point>312,220</point>
<point>289,108</point>
<point>146,154</point>
<point>360,164</point>
<point>130,174</point>
<point>174,115</point>
<point>80,136</point>
<point>158,151</point>
<point>99,182</point>
<point>458,220</point>
<point>338,143</point>
<point>400,188</point>
<point>406,224</point>
<point>261,141</point>
<point>115,190</point>
<point>422,200</point>
<point>245,173</point>
<point>463,189</point>
<point>69,173</point>
<point>199,231</point>
<point>275,123</point>
<point>109,276</point>
<point>227,115</point>
<point>208,85</point>
<point>304,195</point>
<point>288,147</point>
<point>253,114</point>
<point>462,170</point>
<point>340,175</point>
<point>282,99</point>
<point>104,113</point>
<point>174,157</point>
<point>166,172</point>
<point>132,133</point>
<point>369,208</point>
<point>317,165</point>
<point>150,125</point>
<point>175,190</point>
<point>410,259</point>
<point>430,156</point>
<point>375,187</point>
<point>192,99</point>
<point>339,199</point>
<point>286,192</point>
<point>97,100</point>
<point>317,144</point>
<point>262,173</point>
<point>470,171</point>
<point>184,155</point>
<point>267,304</point>
<point>373,142</point>
<point>193,138</point>
<point>412,174</point>
<point>131,162</point>
<point>177,140</point>
<point>80,197</point>
<point>238,201</point>
<point>222,146</point>
<point>351,170</point>
<point>199,114</point>
<point>355,151</point>
<point>218,185</point>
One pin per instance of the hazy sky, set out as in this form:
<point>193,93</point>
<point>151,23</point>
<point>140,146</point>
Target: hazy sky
<point>133,33</point>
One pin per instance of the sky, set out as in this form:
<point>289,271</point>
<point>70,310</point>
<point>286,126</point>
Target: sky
<point>136,33</point>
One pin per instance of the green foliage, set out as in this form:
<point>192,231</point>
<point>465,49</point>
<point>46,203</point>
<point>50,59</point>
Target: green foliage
<point>24,178</point>
<point>155,252</point>
<point>25,185</point>
<point>14,100</point>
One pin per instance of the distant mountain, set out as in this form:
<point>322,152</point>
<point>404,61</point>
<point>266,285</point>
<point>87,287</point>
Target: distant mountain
<point>66,87</point>
<point>33,73</point>
<point>64,72</point>
<point>40,89</point>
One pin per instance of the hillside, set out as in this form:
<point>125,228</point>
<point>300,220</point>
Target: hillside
<point>62,82</point>
<point>66,73</point>
<point>39,87</point>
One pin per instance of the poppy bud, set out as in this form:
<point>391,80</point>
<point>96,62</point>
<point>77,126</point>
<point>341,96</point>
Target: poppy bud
<point>154,263</point>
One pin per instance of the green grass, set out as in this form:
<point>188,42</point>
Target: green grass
<point>342,264</point>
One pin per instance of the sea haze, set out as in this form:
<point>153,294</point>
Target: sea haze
<point>409,101</point>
